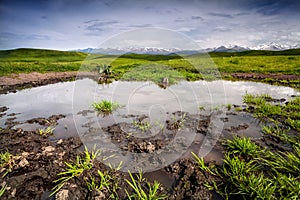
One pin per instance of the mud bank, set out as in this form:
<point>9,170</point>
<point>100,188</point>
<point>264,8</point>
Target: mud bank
<point>16,82</point>
<point>37,161</point>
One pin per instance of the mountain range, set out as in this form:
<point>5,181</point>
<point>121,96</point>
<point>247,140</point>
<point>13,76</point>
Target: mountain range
<point>165,51</point>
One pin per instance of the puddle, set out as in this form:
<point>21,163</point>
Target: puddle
<point>74,99</point>
<point>71,98</point>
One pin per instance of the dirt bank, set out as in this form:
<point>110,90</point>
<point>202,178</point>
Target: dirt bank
<point>257,76</point>
<point>15,82</point>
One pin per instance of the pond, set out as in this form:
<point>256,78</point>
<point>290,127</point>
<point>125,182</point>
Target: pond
<point>137,97</point>
<point>74,100</point>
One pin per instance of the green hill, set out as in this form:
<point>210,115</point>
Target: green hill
<point>288,52</point>
<point>28,55</point>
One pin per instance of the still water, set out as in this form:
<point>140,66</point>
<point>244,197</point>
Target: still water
<point>71,98</point>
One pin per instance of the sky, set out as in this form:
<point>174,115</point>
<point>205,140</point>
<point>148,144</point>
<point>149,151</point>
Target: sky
<point>78,24</point>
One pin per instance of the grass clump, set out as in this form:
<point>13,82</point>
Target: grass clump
<point>142,125</point>
<point>5,158</point>
<point>105,106</point>
<point>229,106</point>
<point>201,164</point>
<point>47,131</point>
<point>285,161</point>
<point>242,147</point>
<point>75,169</point>
<point>142,189</point>
<point>255,100</point>
<point>105,182</point>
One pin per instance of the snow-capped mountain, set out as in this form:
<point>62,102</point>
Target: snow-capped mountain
<point>137,50</point>
<point>165,51</point>
<point>230,48</point>
<point>273,46</point>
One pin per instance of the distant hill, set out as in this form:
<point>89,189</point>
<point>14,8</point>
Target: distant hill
<point>27,54</point>
<point>45,55</point>
<point>256,53</point>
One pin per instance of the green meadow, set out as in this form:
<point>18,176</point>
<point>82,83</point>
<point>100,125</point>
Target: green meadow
<point>192,67</point>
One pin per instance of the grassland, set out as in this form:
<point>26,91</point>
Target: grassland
<point>192,67</point>
<point>37,60</point>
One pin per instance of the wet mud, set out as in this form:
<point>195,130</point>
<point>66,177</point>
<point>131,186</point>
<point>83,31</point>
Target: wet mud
<point>37,160</point>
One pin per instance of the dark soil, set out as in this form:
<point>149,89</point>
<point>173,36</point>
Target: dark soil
<point>190,181</point>
<point>50,121</point>
<point>37,160</point>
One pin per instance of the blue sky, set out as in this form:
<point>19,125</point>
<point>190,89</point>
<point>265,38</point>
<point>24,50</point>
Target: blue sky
<point>72,24</point>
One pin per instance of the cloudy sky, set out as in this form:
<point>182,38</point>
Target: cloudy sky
<point>72,24</point>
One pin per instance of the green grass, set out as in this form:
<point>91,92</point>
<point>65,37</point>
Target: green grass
<point>2,190</point>
<point>106,183</point>
<point>287,114</point>
<point>177,122</point>
<point>143,125</point>
<point>140,192</point>
<point>152,72</point>
<point>38,60</point>
<point>47,131</point>
<point>5,158</point>
<point>155,67</point>
<point>242,147</point>
<point>250,171</point>
<point>81,164</point>
<point>256,177</point>
<point>201,164</point>
<point>105,106</point>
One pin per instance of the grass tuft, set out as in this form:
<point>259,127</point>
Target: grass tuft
<point>151,192</point>
<point>105,106</point>
<point>242,147</point>
<point>75,169</point>
<point>47,131</point>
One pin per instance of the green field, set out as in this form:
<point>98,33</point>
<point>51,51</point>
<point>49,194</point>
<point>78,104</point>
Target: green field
<point>193,67</point>
<point>37,60</point>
